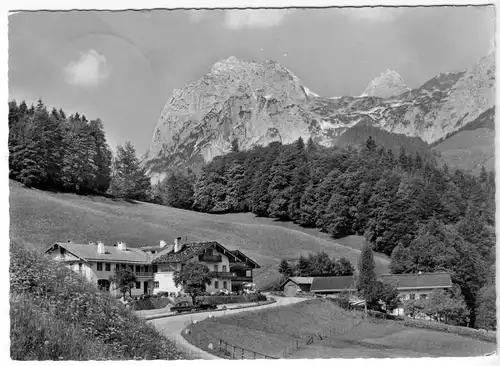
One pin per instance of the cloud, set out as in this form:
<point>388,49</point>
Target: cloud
<point>260,18</point>
<point>88,71</point>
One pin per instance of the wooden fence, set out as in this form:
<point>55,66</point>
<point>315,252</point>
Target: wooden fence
<point>239,353</point>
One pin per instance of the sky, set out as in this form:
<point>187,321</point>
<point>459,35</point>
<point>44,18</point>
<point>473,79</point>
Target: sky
<point>123,66</point>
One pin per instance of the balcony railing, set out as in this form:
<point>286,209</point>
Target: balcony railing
<point>209,258</point>
<point>144,274</point>
<point>222,274</point>
<point>242,278</point>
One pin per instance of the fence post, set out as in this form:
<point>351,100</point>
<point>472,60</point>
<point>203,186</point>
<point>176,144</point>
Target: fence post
<point>296,344</point>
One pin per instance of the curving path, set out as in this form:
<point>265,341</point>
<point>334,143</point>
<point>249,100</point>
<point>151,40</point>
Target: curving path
<point>172,327</point>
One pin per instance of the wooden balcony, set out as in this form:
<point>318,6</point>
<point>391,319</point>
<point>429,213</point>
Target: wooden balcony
<point>230,275</point>
<point>209,258</point>
<point>242,278</point>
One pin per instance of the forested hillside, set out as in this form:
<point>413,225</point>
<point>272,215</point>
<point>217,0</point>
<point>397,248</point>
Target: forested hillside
<point>70,153</point>
<point>427,217</point>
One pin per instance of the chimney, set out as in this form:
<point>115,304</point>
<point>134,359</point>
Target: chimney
<point>122,246</point>
<point>178,245</point>
<point>100,248</point>
<point>162,243</point>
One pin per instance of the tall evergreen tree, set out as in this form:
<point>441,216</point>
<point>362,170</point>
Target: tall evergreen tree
<point>129,179</point>
<point>367,278</point>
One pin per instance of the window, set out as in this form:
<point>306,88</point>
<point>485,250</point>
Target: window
<point>423,296</point>
<point>224,284</point>
<point>216,284</point>
<point>137,269</point>
<point>412,296</point>
<point>137,284</point>
<point>107,266</point>
<point>224,268</point>
<point>157,284</point>
<point>80,267</point>
<point>153,252</point>
<point>146,269</point>
<point>132,268</point>
<point>99,266</point>
<point>155,268</point>
<point>216,268</point>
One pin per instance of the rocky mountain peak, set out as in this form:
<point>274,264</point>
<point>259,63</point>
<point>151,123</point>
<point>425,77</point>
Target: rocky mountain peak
<point>387,84</point>
<point>259,103</point>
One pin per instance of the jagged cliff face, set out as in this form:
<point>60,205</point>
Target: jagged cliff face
<point>261,103</point>
<point>388,84</point>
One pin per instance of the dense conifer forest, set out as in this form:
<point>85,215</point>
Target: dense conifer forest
<point>50,150</point>
<point>426,217</point>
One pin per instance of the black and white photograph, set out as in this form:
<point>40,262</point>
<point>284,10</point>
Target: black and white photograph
<point>261,183</point>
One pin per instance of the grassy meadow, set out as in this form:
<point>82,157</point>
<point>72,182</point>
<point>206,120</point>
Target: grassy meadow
<point>270,331</point>
<point>39,218</point>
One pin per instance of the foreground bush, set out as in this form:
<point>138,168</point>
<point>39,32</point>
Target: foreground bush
<point>56,314</point>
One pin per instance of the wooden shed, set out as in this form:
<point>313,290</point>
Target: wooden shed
<point>294,285</point>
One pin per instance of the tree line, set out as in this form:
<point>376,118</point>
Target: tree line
<point>425,216</point>
<point>51,150</point>
<point>316,265</point>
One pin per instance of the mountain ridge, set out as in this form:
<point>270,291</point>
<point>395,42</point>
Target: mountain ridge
<point>258,103</point>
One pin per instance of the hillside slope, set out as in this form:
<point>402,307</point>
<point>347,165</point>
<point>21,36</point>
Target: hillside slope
<point>40,218</point>
<point>358,134</point>
<point>472,146</point>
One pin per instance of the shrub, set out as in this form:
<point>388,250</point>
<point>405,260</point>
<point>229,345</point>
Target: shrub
<point>57,306</point>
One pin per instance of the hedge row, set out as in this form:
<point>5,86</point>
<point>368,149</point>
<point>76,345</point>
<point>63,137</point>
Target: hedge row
<point>467,332</point>
<point>230,299</point>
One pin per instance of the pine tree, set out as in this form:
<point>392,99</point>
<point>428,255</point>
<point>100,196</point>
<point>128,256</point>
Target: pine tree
<point>367,277</point>
<point>285,269</point>
<point>129,179</point>
<point>303,267</point>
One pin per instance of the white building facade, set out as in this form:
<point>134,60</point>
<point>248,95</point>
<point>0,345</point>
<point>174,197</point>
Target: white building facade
<point>154,266</point>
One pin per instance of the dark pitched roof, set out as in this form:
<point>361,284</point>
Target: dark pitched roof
<point>333,284</point>
<point>239,254</point>
<point>188,251</point>
<point>416,281</point>
<point>301,280</point>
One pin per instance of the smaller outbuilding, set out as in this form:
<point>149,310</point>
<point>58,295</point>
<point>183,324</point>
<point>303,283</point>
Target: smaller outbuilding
<point>295,285</point>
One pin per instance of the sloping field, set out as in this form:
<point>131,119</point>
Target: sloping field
<point>40,218</point>
<point>389,339</point>
<point>270,331</point>
<point>264,331</point>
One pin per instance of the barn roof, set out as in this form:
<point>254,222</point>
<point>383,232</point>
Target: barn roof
<point>418,281</point>
<point>333,284</point>
<point>300,280</point>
